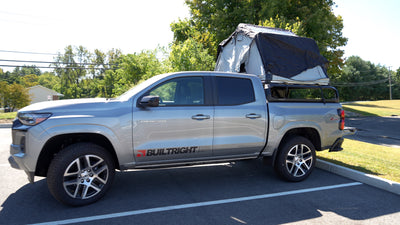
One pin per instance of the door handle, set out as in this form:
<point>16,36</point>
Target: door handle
<point>253,116</point>
<point>200,117</point>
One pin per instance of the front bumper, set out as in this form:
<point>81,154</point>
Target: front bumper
<point>17,159</point>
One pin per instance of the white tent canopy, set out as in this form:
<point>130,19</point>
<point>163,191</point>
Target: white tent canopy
<point>275,55</point>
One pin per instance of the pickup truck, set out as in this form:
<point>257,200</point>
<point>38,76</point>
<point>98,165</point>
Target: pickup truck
<point>174,119</point>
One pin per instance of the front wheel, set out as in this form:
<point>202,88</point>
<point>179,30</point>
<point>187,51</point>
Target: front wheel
<point>296,159</point>
<point>80,174</point>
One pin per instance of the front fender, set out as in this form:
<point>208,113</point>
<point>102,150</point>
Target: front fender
<point>118,133</point>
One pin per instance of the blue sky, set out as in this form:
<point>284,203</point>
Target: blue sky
<point>48,26</point>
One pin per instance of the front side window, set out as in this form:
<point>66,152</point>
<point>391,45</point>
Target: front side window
<point>180,91</point>
<point>234,91</point>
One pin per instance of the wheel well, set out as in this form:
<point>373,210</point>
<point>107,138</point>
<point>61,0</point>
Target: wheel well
<point>58,143</point>
<point>309,133</point>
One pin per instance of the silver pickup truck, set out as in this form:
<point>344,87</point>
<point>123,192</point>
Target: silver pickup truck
<point>174,119</point>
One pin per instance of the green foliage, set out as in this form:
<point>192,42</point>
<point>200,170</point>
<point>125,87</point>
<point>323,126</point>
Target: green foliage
<point>27,70</point>
<point>133,68</point>
<point>190,55</point>
<point>282,23</point>
<point>49,80</point>
<point>4,93</point>
<point>81,73</point>
<point>29,80</point>
<point>185,29</point>
<point>19,72</point>
<point>362,80</point>
<point>13,96</point>
<point>217,19</point>
<point>18,97</point>
<point>70,67</point>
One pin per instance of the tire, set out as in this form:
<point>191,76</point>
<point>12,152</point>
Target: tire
<point>80,174</point>
<point>296,159</point>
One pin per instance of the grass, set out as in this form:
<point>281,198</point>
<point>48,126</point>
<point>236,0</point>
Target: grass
<point>372,159</point>
<point>374,108</point>
<point>8,116</point>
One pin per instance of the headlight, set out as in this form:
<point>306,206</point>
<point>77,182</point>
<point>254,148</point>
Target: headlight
<point>32,119</point>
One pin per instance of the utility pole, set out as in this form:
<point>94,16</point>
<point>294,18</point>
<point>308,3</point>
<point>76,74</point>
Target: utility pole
<point>390,85</point>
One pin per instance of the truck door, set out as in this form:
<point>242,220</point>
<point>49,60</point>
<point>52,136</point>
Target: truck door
<point>239,119</point>
<point>180,128</point>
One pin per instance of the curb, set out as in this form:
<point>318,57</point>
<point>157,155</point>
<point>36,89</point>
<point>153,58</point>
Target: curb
<point>5,125</point>
<point>369,179</point>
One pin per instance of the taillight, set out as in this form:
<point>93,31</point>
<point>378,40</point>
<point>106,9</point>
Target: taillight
<point>341,121</point>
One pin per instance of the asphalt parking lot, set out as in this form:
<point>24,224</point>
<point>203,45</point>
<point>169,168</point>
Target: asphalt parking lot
<point>246,192</point>
<point>376,130</point>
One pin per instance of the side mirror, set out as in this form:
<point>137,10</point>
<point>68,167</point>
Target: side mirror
<point>149,101</point>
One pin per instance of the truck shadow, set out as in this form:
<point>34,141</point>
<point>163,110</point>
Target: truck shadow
<point>146,189</point>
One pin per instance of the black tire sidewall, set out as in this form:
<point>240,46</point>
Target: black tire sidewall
<point>63,159</point>
<point>280,165</point>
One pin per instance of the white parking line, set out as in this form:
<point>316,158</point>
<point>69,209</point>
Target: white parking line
<point>199,204</point>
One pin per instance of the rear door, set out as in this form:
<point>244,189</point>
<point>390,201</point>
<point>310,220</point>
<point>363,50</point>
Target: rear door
<point>240,117</point>
<point>180,128</point>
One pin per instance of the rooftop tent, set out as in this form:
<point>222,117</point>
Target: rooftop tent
<point>275,55</point>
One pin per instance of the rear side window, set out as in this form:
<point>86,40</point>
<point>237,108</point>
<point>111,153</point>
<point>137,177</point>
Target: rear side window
<point>234,91</point>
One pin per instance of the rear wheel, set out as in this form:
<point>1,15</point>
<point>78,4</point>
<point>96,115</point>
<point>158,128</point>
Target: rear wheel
<point>296,159</point>
<point>80,174</point>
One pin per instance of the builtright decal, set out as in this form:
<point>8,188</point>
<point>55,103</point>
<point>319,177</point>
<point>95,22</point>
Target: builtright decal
<point>166,151</point>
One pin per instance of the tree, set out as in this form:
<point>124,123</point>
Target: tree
<point>50,81</point>
<point>217,19</point>
<point>26,70</point>
<point>29,80</point>
<point>9,77</point>
<point>101,62</point>
<point>190,55</point>
<point>362,80</point>
<point>395,76</point>
<point>4,93</point>
<point>132,69</point>
<point>17,97</point>
<point>70,67</point>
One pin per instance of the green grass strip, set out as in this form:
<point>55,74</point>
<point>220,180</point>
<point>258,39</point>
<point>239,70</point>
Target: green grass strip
<point>372,159</point>
<point>374,108</point>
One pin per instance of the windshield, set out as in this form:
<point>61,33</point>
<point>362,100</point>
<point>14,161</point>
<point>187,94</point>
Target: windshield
<point>138,88</point>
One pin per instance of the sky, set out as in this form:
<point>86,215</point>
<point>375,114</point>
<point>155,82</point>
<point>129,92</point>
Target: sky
<point>373,30</point>
<point>48,26</point>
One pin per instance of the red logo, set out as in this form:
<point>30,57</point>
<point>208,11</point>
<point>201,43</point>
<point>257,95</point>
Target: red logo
<point>141,153</point>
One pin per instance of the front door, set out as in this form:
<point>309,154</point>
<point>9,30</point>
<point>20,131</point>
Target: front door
<point>180,128</point>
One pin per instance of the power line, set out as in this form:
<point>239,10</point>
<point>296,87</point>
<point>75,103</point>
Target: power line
<point>29,61</point>
<point>360,83</point>
<point>35,53</point>
<point>54,67</point>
